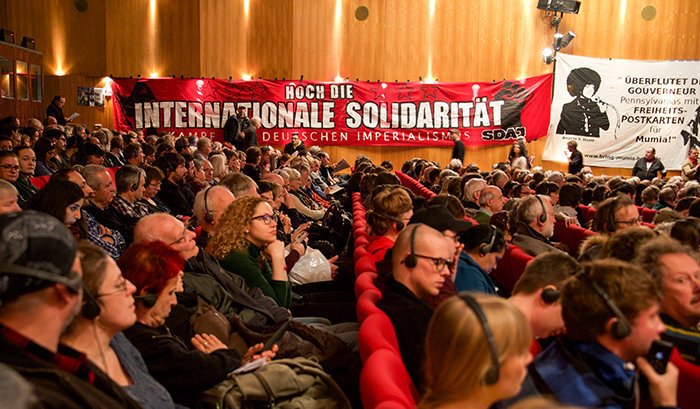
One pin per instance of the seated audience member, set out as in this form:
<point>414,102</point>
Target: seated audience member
<point>154,179</point>
<point>252,162</point>
<point>625,244</point>
<point>472,191</point>
<point>27,164</point>
<point>133,155</point>
<point>326,169</point>
<point>89,154</point>
<point>451,202</point>
<point>650,195</point>
<point>613,215</point>
<point>203,149</point>
<point>41,294</point>
<point>484,246</point>
<point>248,228</point>
<point>174,192</point>
<point>208,170</point>
<point>108,309</point>
<point>537,293</point>
<point>199,180</point>
<point>534,225</point>
<point>61,199</point>
<point>589,367</point>
<point>209,205</point>
<point>420,262</point>
<point>687,231</point>
<point>491,201</point>
<point>113,155</point>
<point>678,273</point>
<point>240,185</point>
<point>126,207</point>
<point>476,353</point>
<point>219,169</point>
<point>98,205</point>
<point>439,218</point>
<point>499,179</point>
<point>569,199</point>
<point>9,166</point>
<point>391,210</point>
<point>682,207</point>
<point>8,198</point>
<point>88,227</point>
<point>154,268</point>
<point>304,204</point>
<point>44,151</point>
<point>5,143</point>
<point>667,199</point>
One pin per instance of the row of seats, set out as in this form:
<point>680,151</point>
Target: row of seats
<point>384,380</point>
<point>588,214</point>
<point>414,186</point>
<point>41,181</point>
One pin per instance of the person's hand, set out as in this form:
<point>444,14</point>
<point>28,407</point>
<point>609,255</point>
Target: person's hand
<point>207,343</point>
<point>253,353</point>
<point>301,229</point>
<point>275,249</point>
<point>298,247</point>
<point>569,221</point>
<point>286,223</point>
<point>663,388</point>
<point>334,268</point>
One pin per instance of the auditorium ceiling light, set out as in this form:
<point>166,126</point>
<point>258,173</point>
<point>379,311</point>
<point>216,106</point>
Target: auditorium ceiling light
<point>338,78</point>
<point>547,55</point>
<point>246,77</point>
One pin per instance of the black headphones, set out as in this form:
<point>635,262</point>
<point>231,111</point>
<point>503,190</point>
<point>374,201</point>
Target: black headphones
<point>542,217</point>
<point>148,300</point>
<point>486,249</point>
<point>135,186</point>
<point>550,295</point>
<point>91,308</point>
<point>492,374</point>
<point>399,223</point>
<point>411,260</point>
<point>208,217</point>
<point>620,328</point>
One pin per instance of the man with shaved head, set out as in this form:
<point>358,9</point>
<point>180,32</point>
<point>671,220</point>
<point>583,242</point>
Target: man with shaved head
<point>420,260</point>
<point>209,205</point>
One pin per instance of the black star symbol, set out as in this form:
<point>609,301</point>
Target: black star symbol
<point>258,90</point>
<point>208,91</point>
<point>429,91</point>
<point>379,92</point>
<point>235,91</point>
<point>404,92</point>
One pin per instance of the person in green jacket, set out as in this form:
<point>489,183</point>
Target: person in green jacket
<point>246,243</point>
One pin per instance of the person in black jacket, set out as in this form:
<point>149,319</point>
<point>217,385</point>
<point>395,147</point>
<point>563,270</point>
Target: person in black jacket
<point>55,109</point>
<point>648,167</point>
<point>295,145</point>
<point>185,368</point>
<point>458,148</point>
<point>174,192</point>
<point>576,158</point>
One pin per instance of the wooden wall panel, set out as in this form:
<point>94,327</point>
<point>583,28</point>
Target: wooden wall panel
<point>222,39</point>
<point>270,40</point>
<point>68,86</point>
<point>364,42</point>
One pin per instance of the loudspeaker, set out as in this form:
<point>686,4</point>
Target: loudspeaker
<point>208,217</point>
<point>91,308</point>
<point>411,260</point>
<point>148,300</point>
<point>28,43</point>
<point>543,217</point>
<point>7,36</point>
<point>486,249</point>
<point>492,374</point>
<point>620,328</point>
<point>550,295</point>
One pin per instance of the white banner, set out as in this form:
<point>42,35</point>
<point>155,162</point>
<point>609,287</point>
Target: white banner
<point>616,109</point>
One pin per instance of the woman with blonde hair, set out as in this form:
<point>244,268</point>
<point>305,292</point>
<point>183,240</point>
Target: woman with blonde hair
<point>391,210</point>
<point>476,352</point>
<point>246,232</point>
<point>218,164</point>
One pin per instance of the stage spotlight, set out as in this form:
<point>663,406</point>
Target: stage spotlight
<point>557,41</point>
<point>567,39</point>
<point>548,55</point>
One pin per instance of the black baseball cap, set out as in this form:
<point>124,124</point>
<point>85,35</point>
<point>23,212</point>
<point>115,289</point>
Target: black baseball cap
<point>439,218</point>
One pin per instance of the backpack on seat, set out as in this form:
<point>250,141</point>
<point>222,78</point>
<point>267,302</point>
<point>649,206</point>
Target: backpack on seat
<point>295,383</point>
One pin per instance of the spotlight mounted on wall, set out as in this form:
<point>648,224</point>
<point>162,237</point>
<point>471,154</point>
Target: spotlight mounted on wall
<point>568,37</point>
<point>547,56</point>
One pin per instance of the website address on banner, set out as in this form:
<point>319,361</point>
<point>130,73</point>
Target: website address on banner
<point>608,157</point>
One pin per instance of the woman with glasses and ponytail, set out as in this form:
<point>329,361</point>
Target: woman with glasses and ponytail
<point>476,352</point>
<point>246,243</point>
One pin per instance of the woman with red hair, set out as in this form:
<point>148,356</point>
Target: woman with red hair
<point>185,371</point>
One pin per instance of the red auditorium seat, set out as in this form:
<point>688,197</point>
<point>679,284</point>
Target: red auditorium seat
<point>377,332</point>
<point>384,378</point>
<point>647,214</point>
<point>39,181</point>
<point>390,404</point>
<point>649,225</point>
<point>367,304</point>
<point>361,241</point>
<point>588,213</point>
<point>572,236</point>
<point>365,264</point>
<point>688,381</point>
<point>360,252</point>
<point>511,267</point>
<point>365,281</point>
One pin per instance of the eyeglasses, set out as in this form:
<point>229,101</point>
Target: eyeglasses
<point>439,262</point>
<point>188,225</point>
<point>10,167</point>
<point>120,288</point>
<point>631,222</point>
<point>267,218</point>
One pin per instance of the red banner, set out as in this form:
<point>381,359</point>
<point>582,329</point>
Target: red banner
<point>341,113</point>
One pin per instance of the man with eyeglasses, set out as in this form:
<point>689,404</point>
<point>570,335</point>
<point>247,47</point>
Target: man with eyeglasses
<point>613,214</point>
<point>420,260</point>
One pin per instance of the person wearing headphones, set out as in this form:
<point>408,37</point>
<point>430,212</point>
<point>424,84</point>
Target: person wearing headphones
<point>420,260</point>
<point>126,208</point>
<point>535,220</point>
<point>484,246</point>
<point>109,308</point>
<point>613,215</point>
<point>611,313</point>
<point>476,353</point>
<point>41,293</point>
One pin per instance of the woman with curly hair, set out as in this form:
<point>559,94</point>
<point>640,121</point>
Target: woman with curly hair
<point>246,236</point>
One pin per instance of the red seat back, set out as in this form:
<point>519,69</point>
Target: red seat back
<point>377,332</point>
<point>688,381</point>
<point>647,214</point>
<point>511,267</point>
<point>365,281</point>
<point>384,378</point>
<point>367,304</point>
